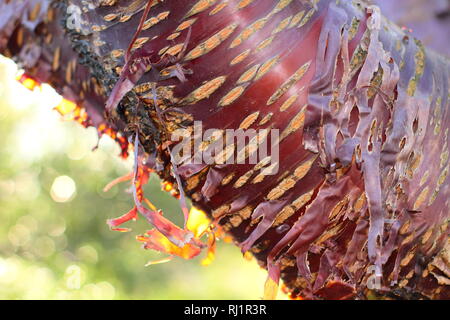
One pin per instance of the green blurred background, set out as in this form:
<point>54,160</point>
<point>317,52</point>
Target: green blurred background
<point>54,242</point>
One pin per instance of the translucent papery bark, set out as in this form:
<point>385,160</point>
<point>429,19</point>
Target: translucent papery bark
<point>359,201</point>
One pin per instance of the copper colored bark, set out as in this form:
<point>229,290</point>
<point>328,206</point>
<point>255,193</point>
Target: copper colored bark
<point>361,194</point>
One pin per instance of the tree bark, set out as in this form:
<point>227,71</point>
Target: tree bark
<point>359,204</point>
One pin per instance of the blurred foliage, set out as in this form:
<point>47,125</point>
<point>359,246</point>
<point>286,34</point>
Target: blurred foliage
<point>54,242</point>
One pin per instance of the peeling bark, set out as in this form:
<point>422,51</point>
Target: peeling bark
<point>362,191</point>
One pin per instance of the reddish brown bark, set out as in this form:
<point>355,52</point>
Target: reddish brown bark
<point>362,189</point>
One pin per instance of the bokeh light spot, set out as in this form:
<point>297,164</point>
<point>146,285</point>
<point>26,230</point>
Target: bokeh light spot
<point>63,189</point>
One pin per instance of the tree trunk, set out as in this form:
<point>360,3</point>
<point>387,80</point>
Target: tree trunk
<point>352,199</point>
